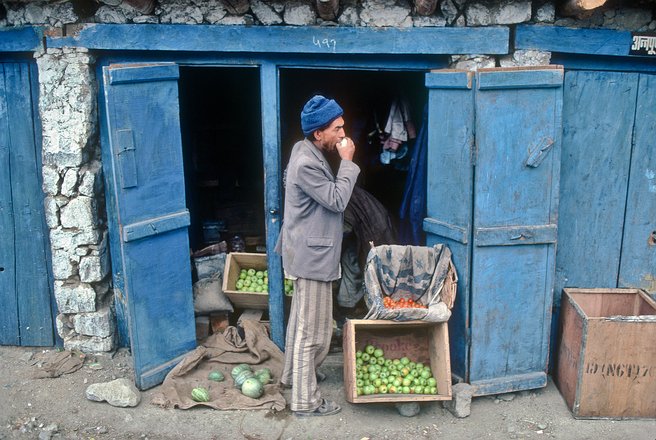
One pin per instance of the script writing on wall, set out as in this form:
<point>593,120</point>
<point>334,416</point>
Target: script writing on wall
<point>643,43</point>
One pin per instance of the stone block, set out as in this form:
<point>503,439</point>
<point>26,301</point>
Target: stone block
<point>79,213</point>
<point>75,297</point>
<point>90,344</point>
<point>69,183</point>
<point>94,268</point>
<point>71,239</point>
<point>100,323</point>
<point>62,266</point>
<point>460,405</point>
<point>51,212</point>
<point>51,180</point>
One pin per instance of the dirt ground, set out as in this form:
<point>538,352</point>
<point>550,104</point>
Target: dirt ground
<point>35,408</point>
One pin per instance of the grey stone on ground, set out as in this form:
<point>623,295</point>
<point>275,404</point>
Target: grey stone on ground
<point>460,405</point>
<point>119,392</point>
<point>507,397</point>
<point>409,409</point>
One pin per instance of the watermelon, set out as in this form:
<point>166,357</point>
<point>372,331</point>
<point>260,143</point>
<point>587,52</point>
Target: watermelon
<point>238,369</point>
<point>216,376</point>
<point>200,394</point>
<point>241,377</point>
<point>252,388</point>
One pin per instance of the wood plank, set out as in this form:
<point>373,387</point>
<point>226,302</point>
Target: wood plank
<point>638,262</point>
<point>594,176</point>
<point>298,39</point>
<point>21,39</point>
<point>571,347</point>
<point>570,40</point>
<point>9,334</point>
<point>269,89</point>
<point>33,283</point>
<point>250,314</point>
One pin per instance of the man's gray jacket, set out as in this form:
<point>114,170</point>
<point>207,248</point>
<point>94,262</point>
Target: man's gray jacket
<point>310,241</point>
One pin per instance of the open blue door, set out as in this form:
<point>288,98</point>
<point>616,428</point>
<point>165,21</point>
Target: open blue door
<point>494,165</point>
<point>148,217</point>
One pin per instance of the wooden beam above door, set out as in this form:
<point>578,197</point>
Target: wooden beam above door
<point>21,39</point>
<point>286,39</point>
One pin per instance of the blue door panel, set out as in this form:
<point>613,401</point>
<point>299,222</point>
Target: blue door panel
<point>594,177</point>
<point>494,165</point>
<point>147,185</point>
<point>449,181</point>
<point>25,281</point>
<point>9,334</point>
<point>518,137</point>
<point>638,260</point>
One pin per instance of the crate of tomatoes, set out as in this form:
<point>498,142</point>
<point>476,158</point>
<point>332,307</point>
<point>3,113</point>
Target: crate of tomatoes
<point>408,283</point>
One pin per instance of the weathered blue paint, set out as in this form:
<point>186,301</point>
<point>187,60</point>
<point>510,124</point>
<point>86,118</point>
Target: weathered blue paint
<point>270,103</point>
<point>594,177</point>
<point>449,192</point>
<point>574,40</point>
<point>120,300</point>
<point>479,147</point>
<point>588,62</point>
<point>155,268</point>
<point>26,308</point>
<point>512,285</point>
<point>638,260</point>
<point>21,39</point>
<point>297,39</point>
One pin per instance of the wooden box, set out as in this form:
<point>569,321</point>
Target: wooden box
<point>426,342</point>
<point>235,261</point>
<point>606,365</point>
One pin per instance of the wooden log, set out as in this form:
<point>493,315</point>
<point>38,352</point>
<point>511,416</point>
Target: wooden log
<point>580,8</point>
<point>425,7</point>
<point>327,9</point>
<point>237,7</point>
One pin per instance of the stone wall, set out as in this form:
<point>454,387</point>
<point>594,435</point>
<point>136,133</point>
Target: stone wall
<point>74,200</point>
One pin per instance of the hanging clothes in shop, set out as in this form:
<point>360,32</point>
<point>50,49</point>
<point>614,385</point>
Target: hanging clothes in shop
<point>399,131</point>
<point>413,205</point>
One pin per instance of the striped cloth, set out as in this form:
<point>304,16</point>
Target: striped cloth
<point>309,331</point>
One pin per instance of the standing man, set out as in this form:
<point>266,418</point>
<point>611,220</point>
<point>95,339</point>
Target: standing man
<point>311,243</point>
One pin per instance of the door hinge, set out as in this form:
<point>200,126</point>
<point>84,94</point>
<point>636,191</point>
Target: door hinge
<point>468,336</point>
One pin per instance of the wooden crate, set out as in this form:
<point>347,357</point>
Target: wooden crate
<point>426,342</point>
<point>234,263</point>
<point>606,366</point>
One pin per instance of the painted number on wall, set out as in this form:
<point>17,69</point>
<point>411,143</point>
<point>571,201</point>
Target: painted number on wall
<point>325,43</point>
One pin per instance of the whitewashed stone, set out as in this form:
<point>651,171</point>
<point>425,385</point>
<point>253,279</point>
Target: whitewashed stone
<point>62,265</point>
<point>75,297</point>
<point>79,213</point>
<point>526,58</point>
<point>89,344</point>
<point>506,12</point>
<point>431,21</point>
<point>449,10</point>
<point>100,323</point>
<point>106,14</point>
<point>299,14</point>
<point>69,183</point>
<point>112,2</point>
<point>181,12</point>
<point>63,325</point>
<point>51,212</point>
<point>82,251</point>
<point>145,19</point>
<point>237,20</point>
<point>472,62</point>
<point>545,13</point>
<point>70,239</point>
<point>91,182</point>
<point>265,13</point>
<point>386,13</point>
<point>94,268</point>
<point>349,14</point>
<point>51,180</point>
<point>119,392</point>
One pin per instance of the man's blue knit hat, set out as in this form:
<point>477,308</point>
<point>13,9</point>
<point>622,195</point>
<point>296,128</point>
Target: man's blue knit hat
<point>318,112</point>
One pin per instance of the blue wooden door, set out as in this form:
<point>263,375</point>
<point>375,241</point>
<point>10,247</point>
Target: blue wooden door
<point>26,303</point>
<point>450,188</point>
<point>148,217</point>
<point>494,158</point>
<point>638,257</point>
